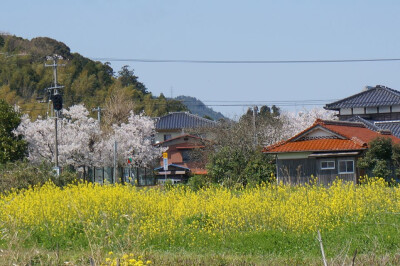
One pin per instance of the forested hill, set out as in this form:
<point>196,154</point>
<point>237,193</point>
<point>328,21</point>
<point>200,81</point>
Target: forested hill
<point>24,78</point>
<point>196,106</point>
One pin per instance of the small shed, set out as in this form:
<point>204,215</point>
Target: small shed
<point>175,173</point>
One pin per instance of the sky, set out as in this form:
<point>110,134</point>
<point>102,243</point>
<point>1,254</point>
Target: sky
<point>228,30</point>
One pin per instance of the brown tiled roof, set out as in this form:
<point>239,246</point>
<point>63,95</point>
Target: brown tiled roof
<point>351,136</point>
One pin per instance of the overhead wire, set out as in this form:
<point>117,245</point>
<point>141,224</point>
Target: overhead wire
<point>190,61</point>
<point>231,103</point>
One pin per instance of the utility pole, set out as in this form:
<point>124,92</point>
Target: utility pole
<point>115,162</point>
<point>54,89</point>
<point>56,145</point>
<point>57,109</point>
<point>255,110</point>
<point>98,110</point>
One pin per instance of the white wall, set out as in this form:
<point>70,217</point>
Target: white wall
<point>371,110</point>
<point>345,111</point>
<point>358,110</point>
<point>384,109</point>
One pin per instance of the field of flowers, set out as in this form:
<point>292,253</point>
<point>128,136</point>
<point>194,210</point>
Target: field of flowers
<point>269,219</point>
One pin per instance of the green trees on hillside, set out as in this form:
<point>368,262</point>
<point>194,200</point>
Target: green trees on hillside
<point>23,78</point>
<point>128,78</point>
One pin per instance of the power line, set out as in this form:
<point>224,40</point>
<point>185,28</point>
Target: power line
<point>190,61</point>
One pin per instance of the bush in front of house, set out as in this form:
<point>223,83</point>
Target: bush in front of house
<point>231,167</point>
<point>198,182</point>
<point>382,159</point>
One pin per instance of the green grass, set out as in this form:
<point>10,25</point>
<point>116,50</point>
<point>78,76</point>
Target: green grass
<point>376,240</point>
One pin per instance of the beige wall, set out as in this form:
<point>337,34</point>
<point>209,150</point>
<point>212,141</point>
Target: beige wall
<point>160,135</point>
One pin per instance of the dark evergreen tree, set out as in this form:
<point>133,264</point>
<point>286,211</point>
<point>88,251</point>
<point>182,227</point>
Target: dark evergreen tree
<point>128,78</point>
<point>265,110</point>
<point>381,158</point>
<point>12,147</point>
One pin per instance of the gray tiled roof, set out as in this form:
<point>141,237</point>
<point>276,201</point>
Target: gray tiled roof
<point>393,126</point>
<point>368,124</point>
<point>179,120</point>
<point>375,96</point>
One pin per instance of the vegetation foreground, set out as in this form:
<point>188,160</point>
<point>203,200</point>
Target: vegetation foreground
<point>270,224</point>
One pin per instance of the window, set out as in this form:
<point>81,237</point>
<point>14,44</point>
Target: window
<point>167,136</point>
<point>185,156</point>
<point>325,165</point>
<point>346,167</point>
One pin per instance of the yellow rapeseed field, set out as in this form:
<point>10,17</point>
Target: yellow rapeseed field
<point>109,212</point>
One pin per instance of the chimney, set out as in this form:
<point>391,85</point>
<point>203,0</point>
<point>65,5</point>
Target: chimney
<point>385,132</point>
<point>368,88</point>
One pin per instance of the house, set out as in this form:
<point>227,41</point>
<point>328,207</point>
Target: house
<point>183,160</point>
<point>376,107</point>
<point>175,124</point>
<point>327,150</point>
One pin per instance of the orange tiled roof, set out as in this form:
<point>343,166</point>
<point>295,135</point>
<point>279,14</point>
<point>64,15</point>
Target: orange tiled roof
<point>198,171</point>
<point>363,134</point>
<point>317,145</point>
<point>356,137</point>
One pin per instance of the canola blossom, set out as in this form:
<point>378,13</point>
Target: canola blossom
<point>125,260</point>
<point>110,213</point>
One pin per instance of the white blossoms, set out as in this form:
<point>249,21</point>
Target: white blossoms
<point>82,143</point>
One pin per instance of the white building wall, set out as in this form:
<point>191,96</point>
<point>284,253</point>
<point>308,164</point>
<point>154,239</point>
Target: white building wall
<point>372,110</point>
<point>319,133</point>
<point>384,109</point>
<point>345,111</point>
<point>395,108</point>
<point>358,110</point>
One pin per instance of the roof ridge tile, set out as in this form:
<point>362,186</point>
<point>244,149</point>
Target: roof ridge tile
<point>359,142</point>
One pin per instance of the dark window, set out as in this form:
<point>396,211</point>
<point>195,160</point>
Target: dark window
<point>185,155</point>
<point>325,165</point>
<point>167,136</point>
<point>346,167</point>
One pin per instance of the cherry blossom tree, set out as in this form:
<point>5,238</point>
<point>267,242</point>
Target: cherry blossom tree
<point>295,122</point>
<point>134,140</point>
<point>82,143</point>
<point>77,137</point>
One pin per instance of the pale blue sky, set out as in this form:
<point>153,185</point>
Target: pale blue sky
<point>227,30</point>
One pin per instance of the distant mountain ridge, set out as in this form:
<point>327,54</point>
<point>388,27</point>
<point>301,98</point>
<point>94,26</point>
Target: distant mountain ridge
<point>197,107</point>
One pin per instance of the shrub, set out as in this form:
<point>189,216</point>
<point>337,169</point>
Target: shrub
<point>22,175</point>
<point>197,182</point>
